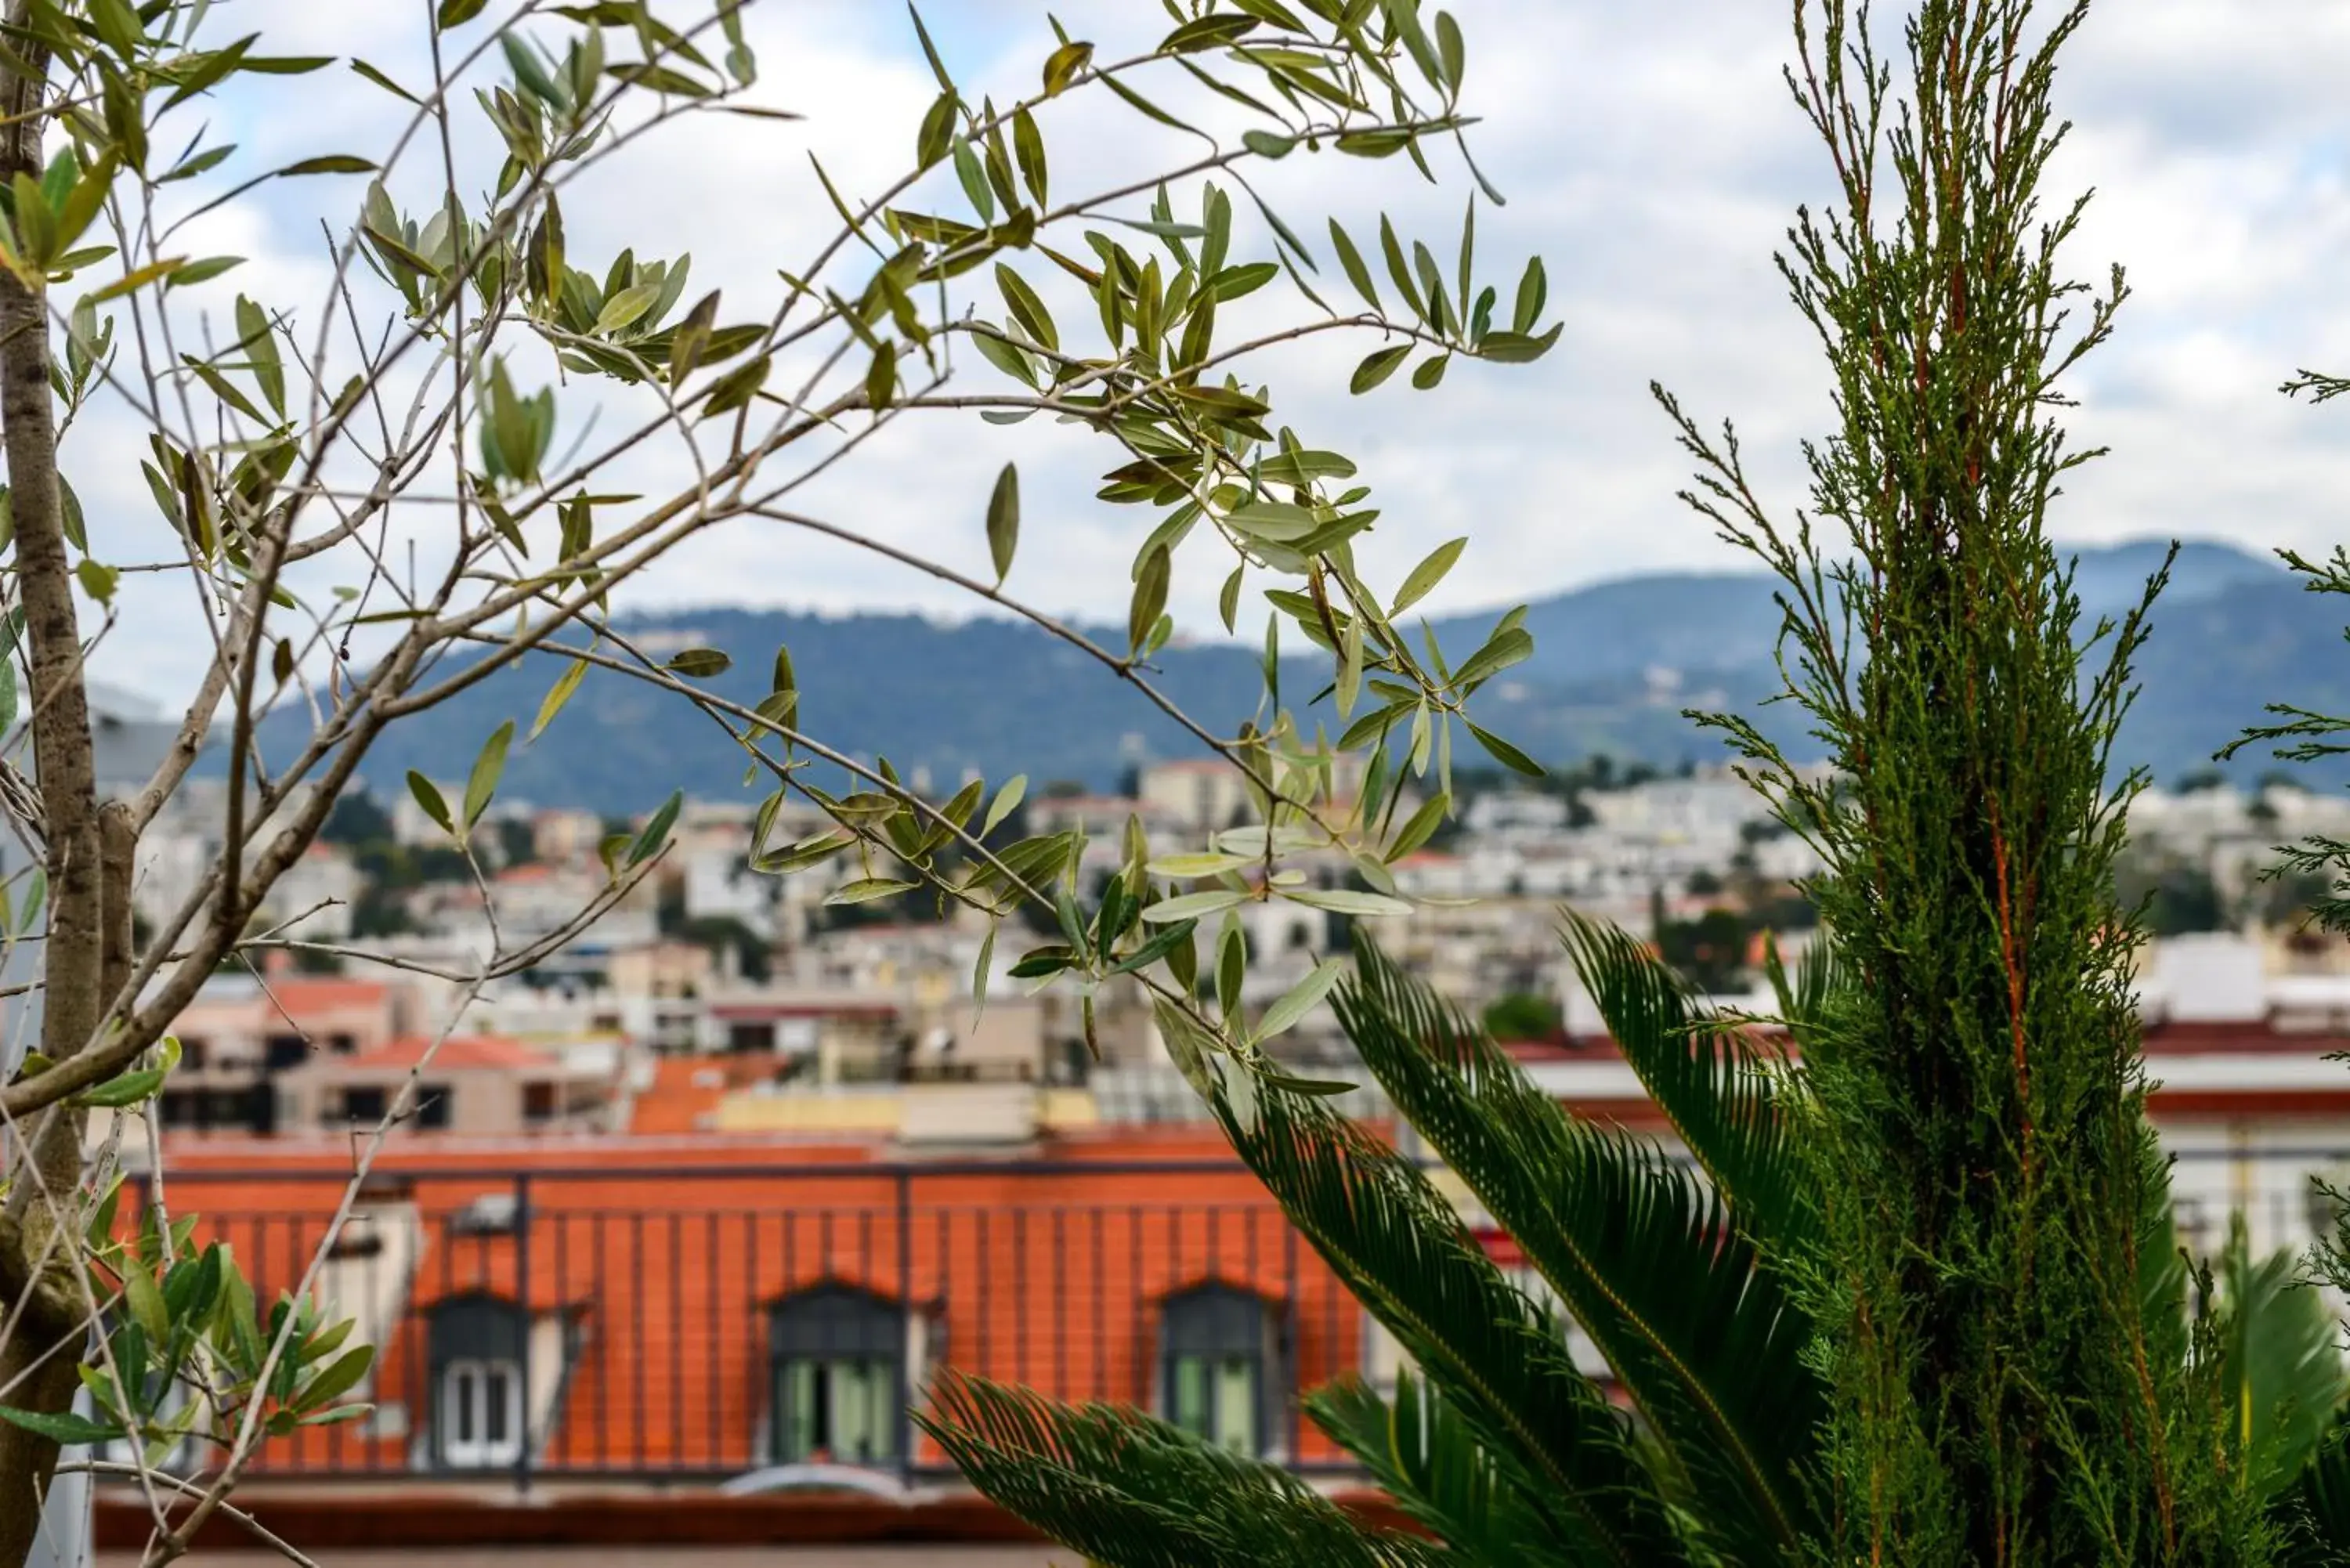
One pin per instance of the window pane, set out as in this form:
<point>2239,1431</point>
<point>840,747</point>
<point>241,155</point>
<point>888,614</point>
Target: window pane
<point>798,1436</point>
<point>463,1391</point>
<point>497,1384</point>
<point>1191,1394</point>
<point>881,1410</point>
<point>1235,1421</point>
<point>852,1411</point>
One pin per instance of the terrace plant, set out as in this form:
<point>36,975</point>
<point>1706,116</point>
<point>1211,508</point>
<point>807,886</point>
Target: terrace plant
<point>461,450</point>
<point>1953,1262</point>
<point>1685,1274</point>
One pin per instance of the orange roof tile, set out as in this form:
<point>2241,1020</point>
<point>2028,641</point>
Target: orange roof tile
<point>457,1051</point>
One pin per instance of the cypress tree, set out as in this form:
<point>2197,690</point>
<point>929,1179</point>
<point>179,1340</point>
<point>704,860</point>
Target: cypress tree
<point>1989,1197</point>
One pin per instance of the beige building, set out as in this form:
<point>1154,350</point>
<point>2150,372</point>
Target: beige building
<point>483,1085</point>
<point>240,1034</point>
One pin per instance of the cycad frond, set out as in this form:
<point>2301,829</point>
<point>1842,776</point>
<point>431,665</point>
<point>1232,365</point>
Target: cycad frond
<point>2161,1265</point>
<point>1131,1492</point>
<point>2284,1373</point>
<point>1500,1360</point>
<point>2314,1510</point>
<point>1718,1092</point>
<point>1704,1336</point>
<point>1432,1464</point>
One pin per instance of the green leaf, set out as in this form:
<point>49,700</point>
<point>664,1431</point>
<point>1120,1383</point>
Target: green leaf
<point>1422,826</point>
<point>647,842</point>
<point>1192,906</point>
<point>1377,366</point>
<point>1347,901</point>
<point>126,1089</point>
<point>1301,999</point>
<point>338,1377</point>
<point>456,13</point>
<point>329,163</point>
<point>1062,65</point>
<point>624,307</point>
<point>1430,371</point>
<point>1501,752</point>
<point>557,696</point>
<point>1514,348</point>
<point>1265,144</point>
<point>1506,648</point>
<point>864,889</point>
<point>428,796</point>
<point>1149,599</point>
<point>96,580</point>
<point>1004,522</point>
<point>259,344</point>
<point>1534,289</point>
<point>385,82</point>
<point>1427,575</point>
<point>700,663</point>
<point>1351,260</point>
<point>1028,148</point>
<point>1007,799</point>
<point>66,1430</point>
<point>735,388</point>
<point>488,768</point>
<point>201,270</point>
<point>1123,1488</point>
<point>936,133</point>
<point>146,1303</point>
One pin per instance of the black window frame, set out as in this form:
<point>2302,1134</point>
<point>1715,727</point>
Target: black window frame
<point>475,1329</point>
<point>1218,1324</point>
<point>832,1330</point>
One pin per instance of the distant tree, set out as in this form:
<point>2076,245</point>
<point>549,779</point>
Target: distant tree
<point>1710,950</point>
<point>2200,781</point>
<point>1704,883</point>
<point>1523,1016</point>
<point>517,843</point>
<point>356,818</point>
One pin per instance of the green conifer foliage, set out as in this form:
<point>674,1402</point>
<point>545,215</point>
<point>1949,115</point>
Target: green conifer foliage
<point>1999,1394</point>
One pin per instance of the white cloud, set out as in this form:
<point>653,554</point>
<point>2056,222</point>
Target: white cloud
<point>1650,154</point>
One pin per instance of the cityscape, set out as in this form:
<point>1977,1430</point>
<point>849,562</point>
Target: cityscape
<point>1243,784</point>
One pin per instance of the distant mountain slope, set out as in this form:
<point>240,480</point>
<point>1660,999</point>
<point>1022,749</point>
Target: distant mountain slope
<point>1615,665</point>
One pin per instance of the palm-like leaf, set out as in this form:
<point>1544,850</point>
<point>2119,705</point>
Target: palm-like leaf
<point>1716,1088</point>
<point>2282,1370</point>
<point>1133,1492</point>
<point>2314,1510</point>
<point>1431,1464</point>
<point>1499,1359</point>
<point>1701,1335</point>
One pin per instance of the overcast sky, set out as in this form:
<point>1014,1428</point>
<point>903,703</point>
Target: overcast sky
<point>1649,153</point>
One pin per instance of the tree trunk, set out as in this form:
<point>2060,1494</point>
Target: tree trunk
<point>38,1359</point>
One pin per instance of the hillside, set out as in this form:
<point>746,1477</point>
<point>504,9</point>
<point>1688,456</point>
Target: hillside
<point>1616,664</point>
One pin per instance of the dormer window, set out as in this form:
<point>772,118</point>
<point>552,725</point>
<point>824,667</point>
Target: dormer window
<point>838,1357</point>
<point>1218,1355</point>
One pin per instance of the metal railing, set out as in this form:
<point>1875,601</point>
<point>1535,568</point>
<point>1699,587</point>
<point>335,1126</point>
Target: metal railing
<point>630,1322</point>
<point>577,1322</point>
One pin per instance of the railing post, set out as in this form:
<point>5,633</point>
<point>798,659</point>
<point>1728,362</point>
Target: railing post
<point>1292,1376</point>
<point>521,1228</point>
<point>905,1182</point>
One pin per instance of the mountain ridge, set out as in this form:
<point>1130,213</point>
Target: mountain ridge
<point>1615,664</point>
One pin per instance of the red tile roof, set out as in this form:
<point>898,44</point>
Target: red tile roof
<point>1053,1275</point>
<point>455,1053</point>
<point>297,995</point>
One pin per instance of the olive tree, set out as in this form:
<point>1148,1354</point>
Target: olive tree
<point>462,450</point>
